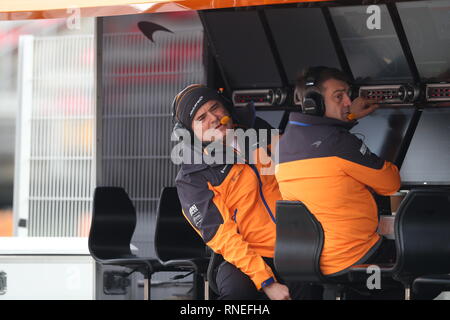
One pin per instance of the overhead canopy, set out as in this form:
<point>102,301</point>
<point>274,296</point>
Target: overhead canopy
<point>274,44</point>
<point>49,9</point>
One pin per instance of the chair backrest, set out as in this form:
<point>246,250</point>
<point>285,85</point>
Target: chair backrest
<point>214,262</point>
<point>174,237</point>
<point>422,234</point>
<point>299,243</point>
<point>113,223</point>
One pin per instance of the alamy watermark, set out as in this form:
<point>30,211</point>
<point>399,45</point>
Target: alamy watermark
<point>73,21</point>
<point>374,280</point>
<point>373,22</point>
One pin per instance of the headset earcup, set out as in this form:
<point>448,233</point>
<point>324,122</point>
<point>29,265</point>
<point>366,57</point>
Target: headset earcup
<point>313,103</point>
<point>320,105</point>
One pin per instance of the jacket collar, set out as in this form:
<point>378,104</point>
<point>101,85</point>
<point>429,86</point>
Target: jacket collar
<point>309,120</point>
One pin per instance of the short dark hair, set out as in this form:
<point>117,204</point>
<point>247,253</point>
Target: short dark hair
<point>320,75</point>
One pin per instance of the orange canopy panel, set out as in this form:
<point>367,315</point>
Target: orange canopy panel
<point>49,9</point>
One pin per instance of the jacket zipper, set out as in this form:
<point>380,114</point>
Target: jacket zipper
<point>261,193</point>
<point>234,215</point>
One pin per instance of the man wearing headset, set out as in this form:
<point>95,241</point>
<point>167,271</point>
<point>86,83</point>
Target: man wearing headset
<point>231,206</point>
<point>333,172</point>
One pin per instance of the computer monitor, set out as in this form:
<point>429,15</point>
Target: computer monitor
<point>383,131</point>
<point>427,161</point>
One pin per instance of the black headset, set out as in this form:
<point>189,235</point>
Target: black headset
<point>313,102</point>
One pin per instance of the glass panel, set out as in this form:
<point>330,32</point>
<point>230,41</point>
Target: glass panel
<point>243,50</point>
<point>292,32</point>
<point>47,107</point>
<point>374,55</point>
<point>427,27</point>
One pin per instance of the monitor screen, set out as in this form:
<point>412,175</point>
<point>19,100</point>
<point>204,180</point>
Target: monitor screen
<point>242,49</point>
<point>427,27</point>
<point>273,117</point>
<point>374,55</point>
<point>383,131</point>
<point>298,46</point>
<point>428,157</point>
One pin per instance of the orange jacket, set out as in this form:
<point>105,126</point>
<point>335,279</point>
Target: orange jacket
<point>232,207</point>
<point>333,172</point>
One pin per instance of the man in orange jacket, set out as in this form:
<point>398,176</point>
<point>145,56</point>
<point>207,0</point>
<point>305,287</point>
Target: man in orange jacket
<point>333,172</point>
<point>231,205</point>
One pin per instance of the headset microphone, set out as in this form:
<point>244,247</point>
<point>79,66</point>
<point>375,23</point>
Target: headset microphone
<point>225,120</point>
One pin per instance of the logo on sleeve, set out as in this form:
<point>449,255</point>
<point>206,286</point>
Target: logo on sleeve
<point>195,215</point>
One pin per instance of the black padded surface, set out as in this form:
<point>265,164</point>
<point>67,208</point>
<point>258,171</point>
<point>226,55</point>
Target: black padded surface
<point>422,231</point>
<point>174,237</point>
<point>299,243</point>
<point>113,224</point>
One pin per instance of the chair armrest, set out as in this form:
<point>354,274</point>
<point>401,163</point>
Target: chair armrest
<point>385,268</point>
<point>440,280</point>
<point>197,265</point>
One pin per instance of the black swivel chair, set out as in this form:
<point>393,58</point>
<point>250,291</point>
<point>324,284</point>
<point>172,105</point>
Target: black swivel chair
<point>422,240</point>
<point>176,242</point>
<point>299,245</point>
<point>215,261</point>
<point>422,237</point>
<point>422,231</point>
<point>112,227</point>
